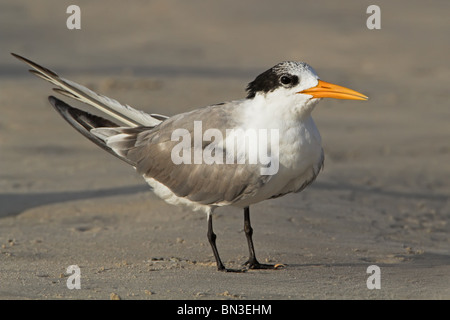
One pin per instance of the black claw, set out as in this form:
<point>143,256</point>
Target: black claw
<point>258,266</point>
<point>255,265</point>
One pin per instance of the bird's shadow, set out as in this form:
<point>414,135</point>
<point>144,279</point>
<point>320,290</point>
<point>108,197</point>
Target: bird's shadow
<point>12,204</point>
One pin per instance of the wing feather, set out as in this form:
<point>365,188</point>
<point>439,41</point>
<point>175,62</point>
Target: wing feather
<point>120,112</point>
<point>210,184</point>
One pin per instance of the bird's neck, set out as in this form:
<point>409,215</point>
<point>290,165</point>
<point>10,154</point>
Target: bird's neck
<point>273,112</point>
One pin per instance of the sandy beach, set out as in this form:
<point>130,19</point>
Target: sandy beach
<point>382,199</point>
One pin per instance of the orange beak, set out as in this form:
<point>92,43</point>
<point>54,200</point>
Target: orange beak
<point>329,90</point>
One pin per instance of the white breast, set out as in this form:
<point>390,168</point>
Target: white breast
<point>300,154</point>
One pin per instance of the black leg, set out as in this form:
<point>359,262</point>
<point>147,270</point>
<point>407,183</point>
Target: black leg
<point>212,241</point>
<point>252,261</point>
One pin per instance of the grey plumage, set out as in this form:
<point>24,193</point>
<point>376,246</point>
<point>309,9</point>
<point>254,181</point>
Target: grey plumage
<point>149,150</point>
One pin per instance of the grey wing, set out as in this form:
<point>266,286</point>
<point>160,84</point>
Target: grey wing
<point>151,152</point>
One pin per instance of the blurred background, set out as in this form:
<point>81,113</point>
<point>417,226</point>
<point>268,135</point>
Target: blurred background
<point>386,182</point>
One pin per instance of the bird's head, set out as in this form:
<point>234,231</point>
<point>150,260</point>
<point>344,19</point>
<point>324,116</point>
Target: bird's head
<point>297,84</point>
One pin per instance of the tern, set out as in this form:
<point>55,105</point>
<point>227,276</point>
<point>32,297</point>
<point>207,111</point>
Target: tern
<point>281,98</point>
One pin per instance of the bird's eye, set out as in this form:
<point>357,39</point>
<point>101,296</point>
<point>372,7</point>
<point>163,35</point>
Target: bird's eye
<point>285,80</point>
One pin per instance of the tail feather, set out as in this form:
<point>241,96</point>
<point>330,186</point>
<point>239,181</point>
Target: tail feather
<point>123,114</point>
<point>97,129</point>
<point>84,122</point>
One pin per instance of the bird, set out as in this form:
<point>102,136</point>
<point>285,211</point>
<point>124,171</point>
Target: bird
<point>281,99</point>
